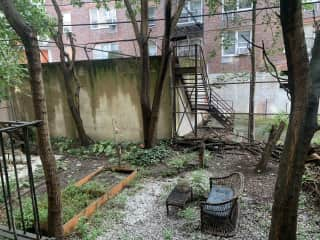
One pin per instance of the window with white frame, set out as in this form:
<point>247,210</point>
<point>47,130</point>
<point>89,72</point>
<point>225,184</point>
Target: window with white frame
<point>309,32</point>
<point>105,50</point>
<point>103,18</point>
<point>187,47</point>
<point>152,15</point>
<point>235,5</point>
<point>67,21</point>
<point>191,11</point>
<point>235,43</point>
<point>153,49</point>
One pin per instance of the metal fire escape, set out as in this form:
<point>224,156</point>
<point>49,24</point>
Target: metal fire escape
<point>192,95</point>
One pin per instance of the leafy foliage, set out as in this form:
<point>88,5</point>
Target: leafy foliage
<point>199,183</point>
<point>62,144</point>
<point>74,199</point>
<point>11,53</point>
<point>188,214</point>
<point>144,157</point>
<point>104,147</point>
<point>281,117</point>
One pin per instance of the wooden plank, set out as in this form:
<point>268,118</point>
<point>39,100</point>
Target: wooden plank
<point>91,209</point>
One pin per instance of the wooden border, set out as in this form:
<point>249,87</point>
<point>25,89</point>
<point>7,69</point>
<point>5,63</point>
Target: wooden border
<point>92,208</point>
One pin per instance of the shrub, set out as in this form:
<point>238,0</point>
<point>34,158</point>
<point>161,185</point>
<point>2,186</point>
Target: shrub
<point>144,157</point>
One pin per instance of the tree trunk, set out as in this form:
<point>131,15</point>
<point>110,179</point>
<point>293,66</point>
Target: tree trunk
<point>165,59</point>
<point>69,77</point>
<point>85,140</point>
<point>145,74</point>
<point>150,114</point>
<point>29,39</point>
<point>170,26</point>
<point>251,123</point>
<point>274,136</point>
<point>302,123</point>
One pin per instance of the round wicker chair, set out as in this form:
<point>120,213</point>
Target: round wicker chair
<point>219,214</point>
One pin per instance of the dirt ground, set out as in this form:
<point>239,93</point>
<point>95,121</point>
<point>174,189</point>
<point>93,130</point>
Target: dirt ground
<point>144,214</point>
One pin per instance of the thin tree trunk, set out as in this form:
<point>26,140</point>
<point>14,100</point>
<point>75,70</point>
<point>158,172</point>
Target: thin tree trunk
<point>170,26</point>
<point>165,59</point>
<point>302,124</point>
<point>150,113</point>
<point>251,123</point>
<point>85,140</point>
<point>70,78</point>
<point>145,73</point>
<point>29,39</point>
<point>274,137</point>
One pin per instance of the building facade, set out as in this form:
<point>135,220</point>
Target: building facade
<point>224,34</point>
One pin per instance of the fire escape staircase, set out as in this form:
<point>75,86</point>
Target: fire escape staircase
<point>191,76</point>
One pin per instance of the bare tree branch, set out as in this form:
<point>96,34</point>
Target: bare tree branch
<point>176,15</point>
<point>267,61</point>
<point>133,19</point>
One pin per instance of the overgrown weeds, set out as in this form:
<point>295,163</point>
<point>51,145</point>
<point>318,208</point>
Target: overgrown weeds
<point>74,199</point>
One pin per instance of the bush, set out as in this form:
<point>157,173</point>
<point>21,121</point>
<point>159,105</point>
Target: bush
<point>144,157</point>
<point>199,183</point>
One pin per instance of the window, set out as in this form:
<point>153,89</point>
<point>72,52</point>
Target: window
<point>187,47</point>
<point>310,36</point>
<point>66,21</point>
<point>105,50</point>
<point>234,43</point>
<point>152,16</point>
<point>102,18</point>
<point>153,48</point>
<point>191,11</point>
<point>234,5</point>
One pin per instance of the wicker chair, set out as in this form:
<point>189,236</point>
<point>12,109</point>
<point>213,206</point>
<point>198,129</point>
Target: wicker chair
<point>219,214</point>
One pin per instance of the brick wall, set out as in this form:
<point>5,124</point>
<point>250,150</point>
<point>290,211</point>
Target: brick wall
<point>269,33</point>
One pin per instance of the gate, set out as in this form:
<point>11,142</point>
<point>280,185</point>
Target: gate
<point>14,135</point>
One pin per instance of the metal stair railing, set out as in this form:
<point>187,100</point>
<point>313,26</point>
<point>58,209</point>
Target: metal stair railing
<point>192,56</point>
<point>215,99</point>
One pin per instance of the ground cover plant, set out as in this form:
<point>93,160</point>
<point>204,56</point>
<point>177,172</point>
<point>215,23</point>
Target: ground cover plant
<point>74,199</point>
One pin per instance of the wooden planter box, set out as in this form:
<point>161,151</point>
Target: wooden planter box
<point>92,208</point>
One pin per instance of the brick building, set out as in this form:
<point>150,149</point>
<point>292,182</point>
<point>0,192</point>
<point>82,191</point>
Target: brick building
<point>101,33</point>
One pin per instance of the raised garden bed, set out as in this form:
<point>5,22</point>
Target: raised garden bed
<point>87,194</point>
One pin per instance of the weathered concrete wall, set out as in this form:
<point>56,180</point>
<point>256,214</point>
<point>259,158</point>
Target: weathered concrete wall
<point>269,97</point>
<point>109,92</point>
<point>4,113</point>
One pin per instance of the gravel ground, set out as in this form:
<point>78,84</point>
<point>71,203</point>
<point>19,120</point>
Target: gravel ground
<point>145,218</point>
<point>144,215</point>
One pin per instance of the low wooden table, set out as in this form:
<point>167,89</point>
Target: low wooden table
<point>178,199</point>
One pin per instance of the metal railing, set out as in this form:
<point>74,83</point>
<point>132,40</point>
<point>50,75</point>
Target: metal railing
<point>193,56</point>
<point>14,135</point>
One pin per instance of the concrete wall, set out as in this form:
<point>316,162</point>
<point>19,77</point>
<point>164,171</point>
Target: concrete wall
<point>109,92</point>
<point>269,97</point>
<point>4,113</point>
<point>185,118</point>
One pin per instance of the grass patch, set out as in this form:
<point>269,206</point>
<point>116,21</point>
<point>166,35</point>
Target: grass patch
<point>74,199</point>
<point>109,214</point>
<point>189,214</point>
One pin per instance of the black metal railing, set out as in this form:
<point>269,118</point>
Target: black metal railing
<point>198,89</point>
<point>14,226</point>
